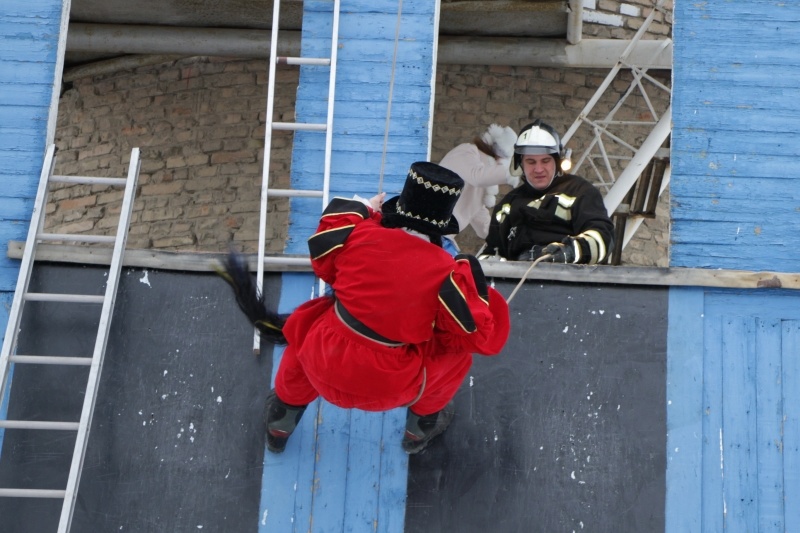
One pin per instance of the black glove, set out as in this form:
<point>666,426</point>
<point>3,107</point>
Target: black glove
<point>533,254</point>
<point>561,252</point>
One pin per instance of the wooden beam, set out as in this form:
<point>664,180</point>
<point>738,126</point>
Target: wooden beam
<point>600,274</point>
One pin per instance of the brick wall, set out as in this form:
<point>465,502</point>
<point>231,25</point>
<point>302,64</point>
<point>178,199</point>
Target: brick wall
<point>199,123</point>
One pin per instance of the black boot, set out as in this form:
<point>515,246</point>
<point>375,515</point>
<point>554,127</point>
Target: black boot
<point>281,419</point>
<point>420,430</point>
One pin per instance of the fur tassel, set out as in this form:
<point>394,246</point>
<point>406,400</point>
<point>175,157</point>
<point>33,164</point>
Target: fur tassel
<point>235,271</point>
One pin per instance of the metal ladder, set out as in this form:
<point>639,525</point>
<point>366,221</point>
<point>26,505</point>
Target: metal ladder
<point>327,128</point>
<point>95,362</point>
<point>608,133</point>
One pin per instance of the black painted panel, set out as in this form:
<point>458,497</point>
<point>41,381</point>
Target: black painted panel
<point>563,431</point>
<point>177,440</point>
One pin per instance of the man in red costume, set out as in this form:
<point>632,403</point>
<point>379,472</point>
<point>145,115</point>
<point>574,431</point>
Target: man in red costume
<point>403,319</point>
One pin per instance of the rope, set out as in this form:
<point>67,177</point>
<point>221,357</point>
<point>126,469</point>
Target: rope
<point>391,91</point>
<point>525,275</point>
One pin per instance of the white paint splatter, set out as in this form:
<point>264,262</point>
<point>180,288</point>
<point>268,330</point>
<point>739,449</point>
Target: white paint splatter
<point>572,475</point>
<point>471,381</point>
<point>166,372</point>
<point>566,329</point>
<point>264,517</point>
<point>219,399</point>
<point>602,312</point>
<point>144,279</point>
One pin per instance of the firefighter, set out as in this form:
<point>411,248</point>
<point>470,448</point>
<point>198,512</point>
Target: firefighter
<point>551,213</point>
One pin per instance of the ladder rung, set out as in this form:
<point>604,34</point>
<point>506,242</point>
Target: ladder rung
<point>33,424</point>
<point>70,298</point>
<point>50,360</point>
<point>294,193</point>
<point>285,60</point>
<point>74,238</point>
<point>88,180</point>
<point>297,126</point>
<point>32,493</point>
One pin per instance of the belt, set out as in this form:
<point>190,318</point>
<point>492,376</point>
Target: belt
<point>358,327</point>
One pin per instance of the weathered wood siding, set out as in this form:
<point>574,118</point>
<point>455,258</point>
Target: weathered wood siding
<point>344,470</point>
<point>371,87</point>
<point>733,419</point>
<point>735,144</point>
<point>29,42</point>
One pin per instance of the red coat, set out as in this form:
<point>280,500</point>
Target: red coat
<point>402,288</point>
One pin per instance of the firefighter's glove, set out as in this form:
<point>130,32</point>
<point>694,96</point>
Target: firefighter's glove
<point>562,252</point>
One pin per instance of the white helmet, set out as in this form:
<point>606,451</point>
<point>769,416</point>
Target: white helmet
<point>537,138</point>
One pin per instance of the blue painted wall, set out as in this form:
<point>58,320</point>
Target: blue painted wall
<point>367,75</point>
<point>29,34</point>
<point>735,143</point>
<point>344,470</point>
<point>733,411</point>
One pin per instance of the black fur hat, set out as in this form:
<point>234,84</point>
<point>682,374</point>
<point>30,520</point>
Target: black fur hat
<point>426,203</point>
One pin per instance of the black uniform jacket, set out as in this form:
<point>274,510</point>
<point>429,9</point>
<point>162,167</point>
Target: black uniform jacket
<point>526,216</point>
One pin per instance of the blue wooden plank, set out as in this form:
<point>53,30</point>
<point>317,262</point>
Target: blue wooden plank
<point>712,504</point>
<point>28,72</point>
<point>333,440</point>
<point>709,78</point>
<point>769,413</point>
<point>9,273</point>
<point>372,6</point>
<point>369,109</point>
<point>26,94</point>
<point>684,410</point>
<point>372,92</point>
<point>710,256</point>
<point>790,348</point>
<point>739,428</point>
<point>15,208</point>
<point>362,471</point>
<point>726,148</point>
<point>33,8</point>
<point>288,478</point>
<point>393,484</point>
<point>24,116</point>
<point>24,184</point>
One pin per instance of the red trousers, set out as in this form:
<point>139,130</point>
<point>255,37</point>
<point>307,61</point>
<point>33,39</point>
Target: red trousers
<point>324,357</point>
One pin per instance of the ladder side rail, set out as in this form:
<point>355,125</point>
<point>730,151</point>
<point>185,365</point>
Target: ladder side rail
<point>326,176</point>
<point>294,193</point>
<point>26,267</point>
<point>262,227</point>
<point>104,327</point>
<point>326,182</point>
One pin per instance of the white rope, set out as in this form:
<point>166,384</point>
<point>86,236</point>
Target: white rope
<point>391,91</point>
<point>525,275</point>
